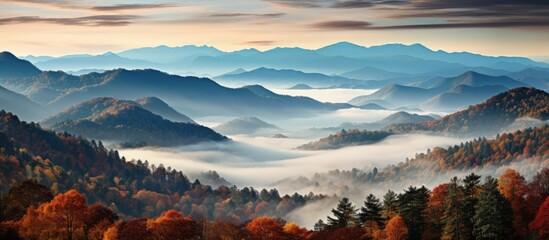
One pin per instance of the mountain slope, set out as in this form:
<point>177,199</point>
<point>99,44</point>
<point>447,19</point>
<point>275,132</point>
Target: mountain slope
<point>461,96</point>
<point>245,125</point>
<point>11,66</point>
<point>396,95</point>
<point>159,107</point>
<point>21,105</point>
<point>346,138</point>
<point>489,117</point>
<point>537,77</point>
<point>404,117</point>
<point>125,122</point>
<point>371,73</point>
<point>475,79</point>
<point>49,85</point>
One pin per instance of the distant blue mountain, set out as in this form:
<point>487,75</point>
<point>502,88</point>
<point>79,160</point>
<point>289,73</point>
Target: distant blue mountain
<point>461,96</point>
<point>337,58</point>
<point>284,78</point>
<point>34,59</point>
<point>165,54</point>
<point>442,93</point>
<point>537,77</point>
<point>347,49</point>
<point>105,61</point>
<point>371,73</point>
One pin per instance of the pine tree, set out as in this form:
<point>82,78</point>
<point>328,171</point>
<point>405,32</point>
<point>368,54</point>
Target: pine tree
<point>412,206</point>
<point>371,212</point>
<point>453,218</point>
<point>390,205</point>
<point>493,213</point>
<point>470,199</point>
<point>344,215</point>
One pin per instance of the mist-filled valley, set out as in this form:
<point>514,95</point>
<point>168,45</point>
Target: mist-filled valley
<point>259,139</point>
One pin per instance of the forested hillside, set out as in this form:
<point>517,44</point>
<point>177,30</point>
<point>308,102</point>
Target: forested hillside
<point>127,123</point>
<point>131,188</point>
<point>489,117</point>
<point>485,119</point>
<point>529,146</point>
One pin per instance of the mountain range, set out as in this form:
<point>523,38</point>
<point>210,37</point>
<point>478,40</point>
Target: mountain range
<point>194,96</point>
<point>337,58</point>
<point>441,93</point>
<point>284,78</point>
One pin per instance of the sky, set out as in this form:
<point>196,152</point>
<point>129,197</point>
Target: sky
<point>59,27</point>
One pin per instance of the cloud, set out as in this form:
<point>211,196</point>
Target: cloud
<point>92,21</point>
<point>77,5</point>
<point>119,7</point>
<point>237,14</point>
<point>451,14</point>
<point>527,9</point>
<point>476,4</point>
<point>230,17</point>
<point>343,25</point>
<point>301,3</point>
<point>42,1</point>
<point>336,3</point>
<point>366,3</point>
<point>362,25</point>
<point>260,42</point>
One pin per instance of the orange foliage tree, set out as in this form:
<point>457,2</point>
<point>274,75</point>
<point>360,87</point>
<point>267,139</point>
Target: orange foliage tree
<point>435,212</point>
<point>295,230</point>
<point>263,228</point>
<point>513,187</point>
<point>172,225</point>
<point>62,218</point>
<point>396,229</point>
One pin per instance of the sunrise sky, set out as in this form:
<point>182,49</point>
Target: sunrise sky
<point>59,27</point>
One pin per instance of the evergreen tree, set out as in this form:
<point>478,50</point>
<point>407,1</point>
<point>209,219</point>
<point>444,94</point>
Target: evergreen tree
<point>344,215</point>
<point>470,199</point>
<point>371,212</point>
<point>412,206</point>
<point>390,205</point>
<point>493,213</point>
<point>454,219</point>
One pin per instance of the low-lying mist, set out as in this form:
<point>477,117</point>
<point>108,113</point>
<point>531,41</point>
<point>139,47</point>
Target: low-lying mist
<point>261,161</point>
<point>337,95</point>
